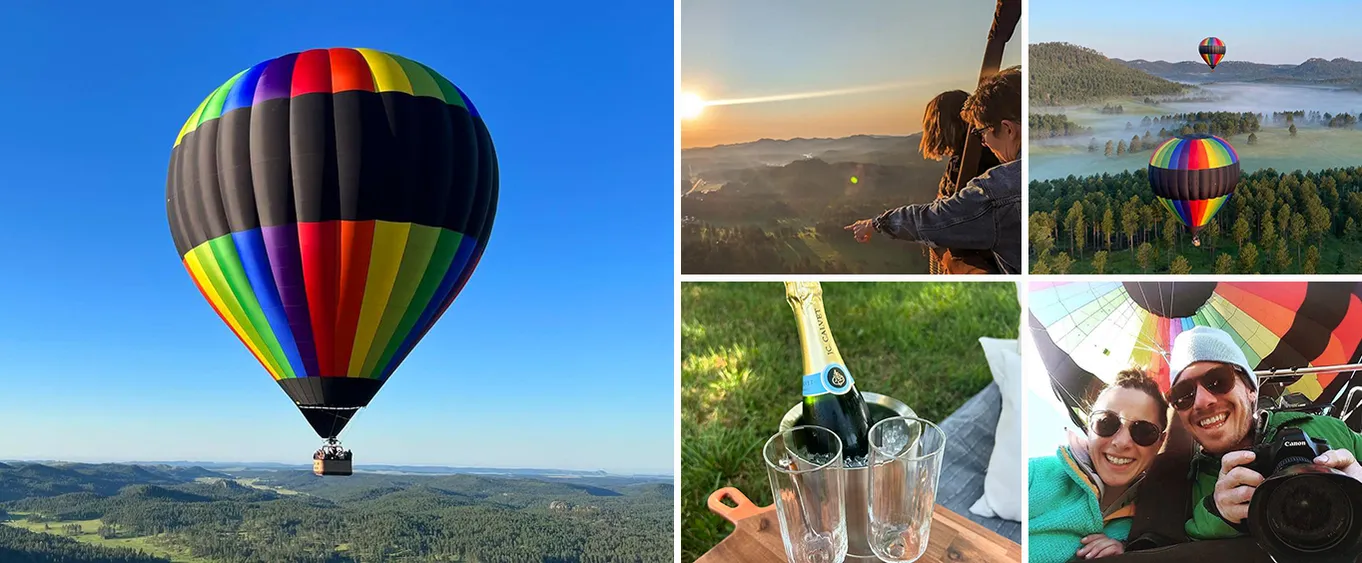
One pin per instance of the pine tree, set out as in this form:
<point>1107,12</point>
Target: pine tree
<point>1224,264</point>
<point>1248,259</point>
<point>1179,266</point>
<point>1061,263</point>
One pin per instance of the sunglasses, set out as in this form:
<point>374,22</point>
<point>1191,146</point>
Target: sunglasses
<point>1106,424</point>
<point>1218,381</point>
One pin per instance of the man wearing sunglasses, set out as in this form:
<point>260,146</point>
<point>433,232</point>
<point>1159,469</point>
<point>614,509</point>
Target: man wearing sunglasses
<point>1214,392</point>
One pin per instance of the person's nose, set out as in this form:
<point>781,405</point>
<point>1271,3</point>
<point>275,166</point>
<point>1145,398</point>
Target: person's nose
<point>1121,440</point>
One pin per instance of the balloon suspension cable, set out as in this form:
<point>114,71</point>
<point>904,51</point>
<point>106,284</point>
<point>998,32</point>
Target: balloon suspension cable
<point>1346,409</point>
<point>1293,372</point>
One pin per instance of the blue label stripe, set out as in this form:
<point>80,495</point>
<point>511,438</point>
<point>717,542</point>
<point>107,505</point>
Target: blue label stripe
<point>816,384</point>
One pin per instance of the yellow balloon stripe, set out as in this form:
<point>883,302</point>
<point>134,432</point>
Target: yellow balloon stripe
<point>415,257</point>
<point>388,73</point>
<point>390,241</point>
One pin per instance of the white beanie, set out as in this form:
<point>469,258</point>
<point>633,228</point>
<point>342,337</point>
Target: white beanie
<point>1206,344</point>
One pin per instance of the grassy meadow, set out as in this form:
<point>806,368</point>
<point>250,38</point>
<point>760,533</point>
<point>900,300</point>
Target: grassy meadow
<point>741,366</point>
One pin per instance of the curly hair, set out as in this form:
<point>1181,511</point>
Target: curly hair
<point>1136,379</point>
<point>943,128</point>
<point>997,99</point>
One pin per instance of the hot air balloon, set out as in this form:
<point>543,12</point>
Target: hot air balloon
<point>1085,332</point>
<point>1212,49</point>
<point>330,205</point>
<point>1193,176</point>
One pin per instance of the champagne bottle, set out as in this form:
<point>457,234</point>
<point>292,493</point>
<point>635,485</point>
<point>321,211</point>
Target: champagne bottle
<point>830,396</point>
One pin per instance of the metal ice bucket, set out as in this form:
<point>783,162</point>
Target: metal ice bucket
<point>857,480</point>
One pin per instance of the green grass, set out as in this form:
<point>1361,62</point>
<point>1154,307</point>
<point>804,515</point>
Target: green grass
<point>741,364</point>
<point>90,534</point>
<point>255,484</point>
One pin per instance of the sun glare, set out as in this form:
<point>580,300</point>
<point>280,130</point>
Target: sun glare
<point>691,105</point>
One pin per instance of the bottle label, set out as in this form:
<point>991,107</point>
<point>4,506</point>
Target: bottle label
<point>833,379</point>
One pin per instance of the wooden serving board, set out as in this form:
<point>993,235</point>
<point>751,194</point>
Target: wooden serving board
<point>756,536</point>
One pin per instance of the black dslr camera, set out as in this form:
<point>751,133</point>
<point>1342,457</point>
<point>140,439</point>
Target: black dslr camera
<point>1303,512</point>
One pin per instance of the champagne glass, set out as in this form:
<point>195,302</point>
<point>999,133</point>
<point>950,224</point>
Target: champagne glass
<point>904,464</point>
<point>807,481</point>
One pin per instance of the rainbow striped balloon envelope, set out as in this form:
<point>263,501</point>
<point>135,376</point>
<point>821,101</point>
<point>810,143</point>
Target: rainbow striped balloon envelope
<point>1193,176</point>
<point>330,205</point>
<point>1085,332</point>
<point>1212,50</point>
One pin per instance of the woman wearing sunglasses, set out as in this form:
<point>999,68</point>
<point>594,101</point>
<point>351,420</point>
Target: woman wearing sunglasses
<point>1081,500</point>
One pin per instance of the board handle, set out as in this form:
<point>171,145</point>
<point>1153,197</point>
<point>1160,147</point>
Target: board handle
<point>733,514</point>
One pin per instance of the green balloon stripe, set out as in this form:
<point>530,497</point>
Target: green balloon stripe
<point>421,243</point>
<point>445,250</point>
<point>212,266</point>
<point>225,249</point>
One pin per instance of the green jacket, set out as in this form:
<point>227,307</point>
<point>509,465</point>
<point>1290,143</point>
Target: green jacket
<point>1206,523</point>
<point>1063,507</point>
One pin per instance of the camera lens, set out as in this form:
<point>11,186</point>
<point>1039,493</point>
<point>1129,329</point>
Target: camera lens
<point>1309,514</point>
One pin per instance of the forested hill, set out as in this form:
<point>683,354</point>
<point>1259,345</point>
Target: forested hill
<point>1334,72</point>
<point>294,516</point>
<point>24,480</point>
<point>1067,74</point>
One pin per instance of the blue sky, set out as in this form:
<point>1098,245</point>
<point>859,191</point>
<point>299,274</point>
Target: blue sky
<point>1261,31</point>
<point>558,354</point>
<point>756,48</point>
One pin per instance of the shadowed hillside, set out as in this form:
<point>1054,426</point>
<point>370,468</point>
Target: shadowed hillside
<point>294,516</point>
<point>769,207</point>
<point>1066,74</point>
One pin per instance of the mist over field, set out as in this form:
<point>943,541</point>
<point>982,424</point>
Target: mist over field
<point>1315,147</point>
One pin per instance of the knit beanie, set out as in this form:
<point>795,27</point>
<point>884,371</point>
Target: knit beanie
<point>1206,344</point>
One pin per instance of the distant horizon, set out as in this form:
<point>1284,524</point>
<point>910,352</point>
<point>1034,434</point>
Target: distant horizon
<point>1195,61</point>
<point>1253,30</point>
<point>670,473</point>
<point>791,139</point>
<point>819,70</point>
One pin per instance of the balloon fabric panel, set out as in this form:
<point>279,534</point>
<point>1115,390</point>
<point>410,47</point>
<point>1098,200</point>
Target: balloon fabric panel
<point>330,205</point>
<point>1212,50</point>
<point>1091,330</point>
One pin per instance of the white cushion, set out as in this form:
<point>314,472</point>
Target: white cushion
<point>1006,477</point>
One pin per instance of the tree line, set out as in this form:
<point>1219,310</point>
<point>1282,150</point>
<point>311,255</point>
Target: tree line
<point>1049,125</point>
<point>1275,223</point>
<point>1220,124</point>
<point>23,546</point>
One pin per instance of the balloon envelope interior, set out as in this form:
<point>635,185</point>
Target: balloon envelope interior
<point>1086,332</point>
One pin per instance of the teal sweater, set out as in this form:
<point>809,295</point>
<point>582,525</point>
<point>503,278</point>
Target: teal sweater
<point>1063,505</point>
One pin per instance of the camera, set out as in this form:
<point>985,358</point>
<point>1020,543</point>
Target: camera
<point>1304,512</point>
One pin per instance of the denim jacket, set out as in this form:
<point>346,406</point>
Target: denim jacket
<point>984,215</point>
